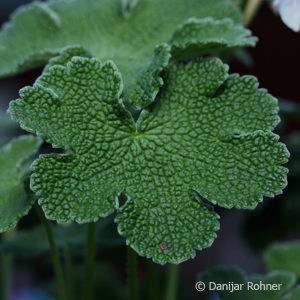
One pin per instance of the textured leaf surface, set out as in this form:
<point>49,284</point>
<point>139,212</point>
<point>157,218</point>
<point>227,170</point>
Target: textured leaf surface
<point>127,6</point>
<point>40,29</point>
<point>149,82</point>
<point>225,275</point>
<point>284,256</point>
<point>126,31</point>
<point>14,201</point>
<point>206,35</point>
<point>206,131</point>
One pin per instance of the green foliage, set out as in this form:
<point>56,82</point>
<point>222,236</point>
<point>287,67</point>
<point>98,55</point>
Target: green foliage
<point>149,82</point>
<point>33,242</point>
<point>225,275</point>
<point>259,229</point>
<point>282,259</point>
<point>196,36</point>
<point>293,295</point>
<point>240,3</point>
<point>206,131</point>
<point>40,30</point>
<point>293,143</point>
<point>109,284</point>
<point>6,122</point>
<point>14,200</point>
<point>8,128</point>
<point>284,256</point>
<point>289,109</point>
<point>127,6</point>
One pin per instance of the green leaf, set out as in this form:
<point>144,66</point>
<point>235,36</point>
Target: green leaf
<point>66,55</point>
<point>224,275</point>
<point>284,256</point>
<point>6,123</point>
<point>33,242</point>
<point>147,85</point>
<point>109,282</point>
<point>8,128</point>
<point>127,6</point>
<point>207,131</point>
<point>41,30</point>
<point>14,201</point>
<point>207,35</point>
<point>240,3</point>
<point>293,295</point>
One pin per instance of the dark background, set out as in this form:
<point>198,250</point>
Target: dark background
<point>243,235</point>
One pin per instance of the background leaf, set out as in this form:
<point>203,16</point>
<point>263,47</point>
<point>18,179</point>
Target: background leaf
<point>41,30</point>
<point>284,256</point>
<point>15,202</point>
<point>32,242</point>
<point>196,36</point>
<point>225,275</point>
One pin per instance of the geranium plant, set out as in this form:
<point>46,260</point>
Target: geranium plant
<point>151,123</point>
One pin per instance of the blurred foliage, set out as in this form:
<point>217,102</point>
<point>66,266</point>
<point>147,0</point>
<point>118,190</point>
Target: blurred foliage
<point>8,128</point>
<point>284,256</point>
<point>278,218</point>
<point>289,109</point>
<point>32,242</point>
<point>15,159</point>
<point>282,259</point>
<point>227,275</point>
<point>240,3</point>
<point>108,286</point>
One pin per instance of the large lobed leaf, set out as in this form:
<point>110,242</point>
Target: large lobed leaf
<point>14,200</point>
<point>207,131</point>
<point>40,30</point>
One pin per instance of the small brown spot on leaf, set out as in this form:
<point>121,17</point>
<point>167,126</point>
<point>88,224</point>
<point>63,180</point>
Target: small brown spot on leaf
<point>164,245</point>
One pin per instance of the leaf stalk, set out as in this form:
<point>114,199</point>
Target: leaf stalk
<point>132,274</point>
<point>251,8</point>
<point>153,284</point>
<point>69,272</point>
<point>90,261</point>
<point>172,282</point>
<point>55,255</point>
<point>6,269</point>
